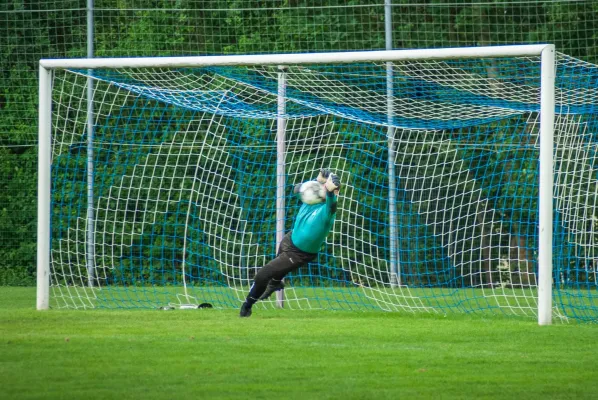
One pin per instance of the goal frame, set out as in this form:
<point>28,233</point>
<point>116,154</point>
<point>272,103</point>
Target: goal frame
<point>547,116</point>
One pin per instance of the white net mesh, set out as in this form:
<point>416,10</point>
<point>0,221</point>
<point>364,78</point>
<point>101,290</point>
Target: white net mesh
<point>184,185</point>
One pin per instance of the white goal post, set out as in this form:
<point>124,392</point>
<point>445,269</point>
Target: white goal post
<point>545,52</point>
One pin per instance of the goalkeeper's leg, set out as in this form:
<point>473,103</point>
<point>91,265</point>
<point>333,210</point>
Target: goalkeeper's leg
<point>273,286</point>
<point>269,277</point>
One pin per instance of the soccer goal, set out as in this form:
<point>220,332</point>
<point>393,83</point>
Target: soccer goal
<point>167,182</point>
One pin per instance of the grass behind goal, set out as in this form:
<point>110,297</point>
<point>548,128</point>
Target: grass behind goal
<point>214,354</point>
<point>477,301</point>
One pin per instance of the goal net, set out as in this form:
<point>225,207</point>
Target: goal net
<point>165,181</point>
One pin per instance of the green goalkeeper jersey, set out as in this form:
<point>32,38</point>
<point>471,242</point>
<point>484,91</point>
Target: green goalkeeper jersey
<point>313,223</point>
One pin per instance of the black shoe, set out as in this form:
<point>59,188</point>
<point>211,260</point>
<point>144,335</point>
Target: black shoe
<point>245,310</point>
<point>273,286</point>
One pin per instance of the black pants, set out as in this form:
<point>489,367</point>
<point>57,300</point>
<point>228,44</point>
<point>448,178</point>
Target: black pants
<point>288,259</point>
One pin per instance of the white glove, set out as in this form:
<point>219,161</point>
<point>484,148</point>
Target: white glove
<point>332,183</point>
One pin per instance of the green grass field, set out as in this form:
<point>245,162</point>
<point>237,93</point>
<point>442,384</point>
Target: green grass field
<point>280,354</point>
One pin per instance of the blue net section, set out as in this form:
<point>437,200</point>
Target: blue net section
<point>181,207</point>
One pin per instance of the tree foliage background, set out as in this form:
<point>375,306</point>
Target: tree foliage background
<point>34,29</point>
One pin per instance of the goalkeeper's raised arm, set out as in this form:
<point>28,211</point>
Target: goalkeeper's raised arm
<point>300,245</point>
<point>332,183</point>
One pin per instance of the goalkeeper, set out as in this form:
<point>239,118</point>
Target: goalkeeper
<point>300,245</point>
